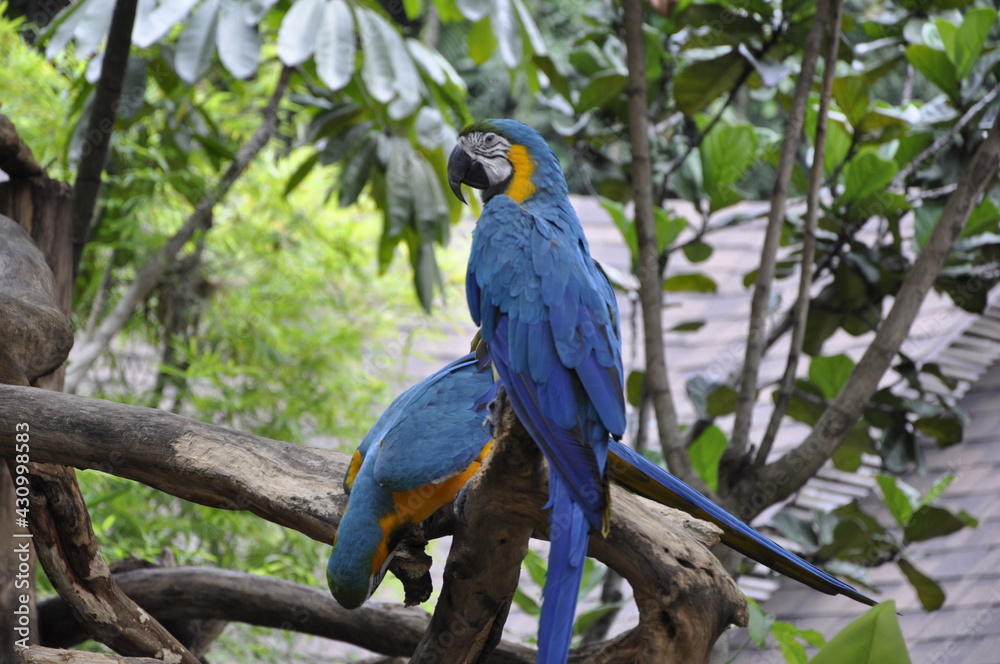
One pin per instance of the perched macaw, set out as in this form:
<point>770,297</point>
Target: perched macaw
<point>421,451</point>
<point>431,440</point>
<point>552,334</point>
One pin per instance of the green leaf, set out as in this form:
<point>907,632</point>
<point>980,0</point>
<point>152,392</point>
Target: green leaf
<point>866,174</point>
<point>852,96</point>
<point>721,402</point>
<point>688,326</point>
<point>152,26</point>
<point>587,619</point>
<point>482,41</point>
<point>936,68</point>
<point>726,154</point>
<point>355,174</point>
<point>297,35</point>
<point>830,374</point>
<point>936,491</point>
<point>895,499</point>
<point>963,45</point>
<point>873,638</point>
<point>706,452</point>
<point>982,219</point>
<point>238,41</point>
<point>633,387</point>
<point>335,46</point>
<point>507,31</point>
<point>601,89</point>
<point>526,603</point>
<point>697,252</point>
<point>929,593</point>
<point>929,522</point>
<point>667,228</point>
<point>694,282</point>
<point>376,68</point>
<point>945,430</point>
<point>701,83</point>
<point>759,625</point>
<point>304,169</point>
<point>529,28</point>
<point>785,634</point>
<point>196,44</point>
<point>617,212</point>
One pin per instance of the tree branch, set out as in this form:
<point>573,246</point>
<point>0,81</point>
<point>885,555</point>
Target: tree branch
<point>292,485</point>
<point>42,655</point>
<point>650,278</point>
<point>780,479</point>
<point>801,308</point>
<point>160,262</point>
<point>944,139</point>
<point>776,217</point>
<point>101,124</point>
<point>16,159</point>
<point>208,593</point>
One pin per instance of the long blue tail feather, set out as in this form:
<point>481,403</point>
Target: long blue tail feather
<point>636,473</point>
<point>568,536</point>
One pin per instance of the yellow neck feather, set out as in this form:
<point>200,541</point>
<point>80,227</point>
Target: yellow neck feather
<point>521,185</point>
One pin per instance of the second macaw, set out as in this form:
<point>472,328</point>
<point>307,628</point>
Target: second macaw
<point>552,335</point>
<point>431,440</point>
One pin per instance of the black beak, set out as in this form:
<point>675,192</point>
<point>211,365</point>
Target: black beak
<point>463,169</point>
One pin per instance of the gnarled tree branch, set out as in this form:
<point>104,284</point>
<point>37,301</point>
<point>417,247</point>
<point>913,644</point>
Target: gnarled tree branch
<point>780,479</point>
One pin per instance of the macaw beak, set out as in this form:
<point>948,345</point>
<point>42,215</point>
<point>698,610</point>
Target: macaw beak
<point>463,169</point>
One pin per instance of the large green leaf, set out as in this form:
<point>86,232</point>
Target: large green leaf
<point>963,44</point>
<point>93,25</point>
<point>601,89</point>
<point>852,96</point>
<point>196,44</point>
<point>506,27</point>
<point>929,522</point>
<point>474,10</point>
<point>830,374</point>
<point>152,26</point>
<point>482,41</point>
<point>935,66</point>
<point>866,174</point>
<point>726,154</point>
<point>376,69</point>
<point>895,499</point>
<point>355,172</point>
<point>298,31</point>
<point>335,45</point>
<point>701,83</point>
<point>694,281</point>
<point>874,638</point>
<point>706,452</point>
<point>238,41</point>
<point>945,430</point>
<point>929,593</point>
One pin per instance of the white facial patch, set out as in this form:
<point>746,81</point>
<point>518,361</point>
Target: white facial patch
<point>490,150</point>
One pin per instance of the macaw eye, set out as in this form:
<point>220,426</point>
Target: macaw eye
<point>489,139</point>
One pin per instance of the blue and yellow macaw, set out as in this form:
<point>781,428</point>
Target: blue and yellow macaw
<point>431,440</point>
<point>421,451</point>
<point>551,331</point>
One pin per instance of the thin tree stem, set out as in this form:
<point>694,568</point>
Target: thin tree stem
<point>765,275</point>
<point>801,310</point>
<point>650,278</point>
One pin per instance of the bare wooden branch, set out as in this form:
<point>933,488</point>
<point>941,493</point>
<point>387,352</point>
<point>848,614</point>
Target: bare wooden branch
<point>780,479</point>
<point>801,308</point>
<point>649,274</point>
<point>42,655</point>
<point>38,336</point>
<point>761,300</point>
<point>16,159</point>
<point>292,485</point>
<point>160,262</point>
<point>101,124</point>
<point>208,593</point>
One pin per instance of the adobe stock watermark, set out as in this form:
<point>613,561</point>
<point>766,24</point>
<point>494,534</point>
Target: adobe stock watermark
<point>21,535</point>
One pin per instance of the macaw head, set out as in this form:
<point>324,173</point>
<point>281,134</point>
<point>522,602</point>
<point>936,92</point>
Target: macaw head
<point>504,157</point>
